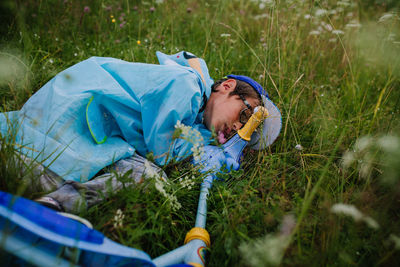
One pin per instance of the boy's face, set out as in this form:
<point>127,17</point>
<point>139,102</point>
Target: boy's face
<point>222,110</point>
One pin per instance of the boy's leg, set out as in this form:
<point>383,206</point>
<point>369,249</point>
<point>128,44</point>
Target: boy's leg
<point>37,177</point>
<point>74,196</point>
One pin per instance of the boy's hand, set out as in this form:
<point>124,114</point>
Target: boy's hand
<point>214,158</point>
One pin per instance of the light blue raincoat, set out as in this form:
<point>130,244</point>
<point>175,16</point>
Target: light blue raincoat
<point>104,109</point>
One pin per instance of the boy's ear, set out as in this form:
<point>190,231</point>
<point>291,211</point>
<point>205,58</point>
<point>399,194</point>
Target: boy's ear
<point>229,85</point>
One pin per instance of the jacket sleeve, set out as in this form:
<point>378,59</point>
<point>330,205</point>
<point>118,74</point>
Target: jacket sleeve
<point>178,99</point>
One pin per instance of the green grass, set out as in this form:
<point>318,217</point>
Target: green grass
<point>331,89</point>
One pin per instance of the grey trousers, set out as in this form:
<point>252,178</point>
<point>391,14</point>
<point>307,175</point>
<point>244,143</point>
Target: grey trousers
<point>75,197</point>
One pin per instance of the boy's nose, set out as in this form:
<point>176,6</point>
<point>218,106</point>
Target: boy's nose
<point>236,125</point>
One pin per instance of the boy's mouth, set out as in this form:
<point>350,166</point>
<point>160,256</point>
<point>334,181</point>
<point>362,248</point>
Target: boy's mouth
<point>224,135</point>
<point>221,137</point>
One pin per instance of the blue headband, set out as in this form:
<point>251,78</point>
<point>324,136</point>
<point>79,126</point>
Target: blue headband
<point>259,89</point>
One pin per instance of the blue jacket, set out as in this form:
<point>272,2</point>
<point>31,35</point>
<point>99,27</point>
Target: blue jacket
<point>104,109</point>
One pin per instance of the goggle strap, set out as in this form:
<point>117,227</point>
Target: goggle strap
<point>246,102</point>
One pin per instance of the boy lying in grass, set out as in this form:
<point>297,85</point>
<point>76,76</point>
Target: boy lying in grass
<point>105,111</point>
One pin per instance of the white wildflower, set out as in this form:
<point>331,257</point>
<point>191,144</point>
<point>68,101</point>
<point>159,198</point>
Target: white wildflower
<point>332,12</point>
<point>320,12</point>
<point>307,16</point>
<point>265,251</point>
<point>187,182</point>
<point>11,69</point>
<point>269,250</point>
<point>352,211</point>
<point>118,219</point>
<point>396,241</point>
<point>343,3</point>
<point>371,222</point>
<point>369,152</point>
<point>160,187</point>
<point>363,143</point>
<point>386,17</point>
<point>150,171</point>
<point>173,201</point>
<point>225,35</point>
<point>261,16</point>
<point>365,166</point>
<point>348,210</point>
<point>299,147</point>
<point>264,3</point>
<point>75,54</point>
<point>288,224</point>
<point>354,25</point>
<point>161,184</point>
<point>328,27</point>
<point>194,137</point>
<point>391,37</point>
<point>332,40</point>
<point>159,2</point>
<point>51,61</point>
<point>389,143</point>
<point>314,32</point>
<point>338,32</point>
<point>348,159</point>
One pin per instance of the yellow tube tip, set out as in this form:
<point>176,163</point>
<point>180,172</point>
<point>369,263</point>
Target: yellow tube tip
<point>259,115</point>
